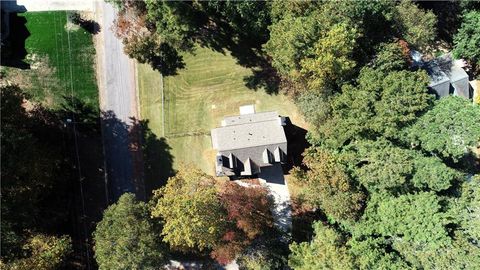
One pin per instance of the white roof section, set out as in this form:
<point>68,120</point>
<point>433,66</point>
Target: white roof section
<point>250,118</point>
<point>247,109</point>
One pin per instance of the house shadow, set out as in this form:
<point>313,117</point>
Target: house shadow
<point>296,145</point>
<point>14,35</point>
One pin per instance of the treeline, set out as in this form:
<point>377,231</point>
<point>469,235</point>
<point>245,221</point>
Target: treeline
<point>34,201</point>
<point>393,171</point>
<point>390,168</point>
<point>193,216</point>
<point>43,225</point>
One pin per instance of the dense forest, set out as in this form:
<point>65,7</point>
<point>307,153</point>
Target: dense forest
<point>391,177</point>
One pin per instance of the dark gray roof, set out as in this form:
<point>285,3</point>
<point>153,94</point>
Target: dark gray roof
<point>437,75</point>
<point>247,142</point>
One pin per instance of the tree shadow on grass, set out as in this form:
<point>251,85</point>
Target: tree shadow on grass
<point>67,195</point>
<point>158,161</point>
<point>246,47</point>
<point>90,26</point>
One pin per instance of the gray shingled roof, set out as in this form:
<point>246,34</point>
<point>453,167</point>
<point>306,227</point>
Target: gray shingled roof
<point>247,142</point>
<point>248,135</point>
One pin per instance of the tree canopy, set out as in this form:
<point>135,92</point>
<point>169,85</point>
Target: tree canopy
<point>193,216</point>
<point>449,129</point>
<point>416,26</point>
<point>126,237</point>
<point>326,251</point>
<point>328,186</point>
<point>43,252</point>
<point>378,104</point>
<point>467,40</point>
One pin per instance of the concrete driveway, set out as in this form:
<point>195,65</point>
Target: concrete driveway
<point>272,178</point>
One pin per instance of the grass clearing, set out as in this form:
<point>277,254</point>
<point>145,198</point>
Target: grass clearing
<point>210,87</point>
<point>59,61</point>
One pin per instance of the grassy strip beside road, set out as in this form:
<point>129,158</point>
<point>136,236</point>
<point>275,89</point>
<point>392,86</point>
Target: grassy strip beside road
<point>61,57</point>
<point>196,99</point>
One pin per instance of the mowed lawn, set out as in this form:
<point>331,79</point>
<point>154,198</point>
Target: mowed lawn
<point>210,87</point>
<point>61,57</point>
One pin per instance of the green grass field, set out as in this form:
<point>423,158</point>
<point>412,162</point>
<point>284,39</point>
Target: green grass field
<point>61,61</point>
<point>210,87</point>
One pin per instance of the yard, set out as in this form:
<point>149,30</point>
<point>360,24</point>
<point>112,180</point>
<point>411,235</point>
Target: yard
<point>60,55</point>
<point>210,87</point>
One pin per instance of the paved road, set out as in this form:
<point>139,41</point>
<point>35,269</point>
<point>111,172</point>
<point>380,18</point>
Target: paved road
<point>118,101</point>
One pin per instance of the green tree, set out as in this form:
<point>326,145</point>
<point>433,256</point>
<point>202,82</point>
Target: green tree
<point>291,40</point>
<point>388,168</point>
<point>449,129</point>
<point>332,59</point>
<point>467,40</point>
<point>416,26</point>
<point>326,251</point>
<point>389,57</point>
<point>147,49</point>
<point>193,216</point>
<point>249,19</point>
<point>175,22</point>
<point>42,252</point>
<point>373,253</point>
<point>298,29</point>
<point>380,104</point>
<point>469,208</point>
<point>326,185</point>
<point>314,106</point>
<point>127,238</point>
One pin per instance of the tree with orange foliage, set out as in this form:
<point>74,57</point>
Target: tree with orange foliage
<point>248,211</point>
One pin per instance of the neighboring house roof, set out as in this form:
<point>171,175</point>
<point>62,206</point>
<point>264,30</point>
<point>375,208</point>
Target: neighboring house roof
<point>247,142</point>
<point>457,73</point>
<point>436,74</point>
<point>446,75</point>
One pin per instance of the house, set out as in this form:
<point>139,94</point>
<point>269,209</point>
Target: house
<point>446,75</point>
<point>248,142</point>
